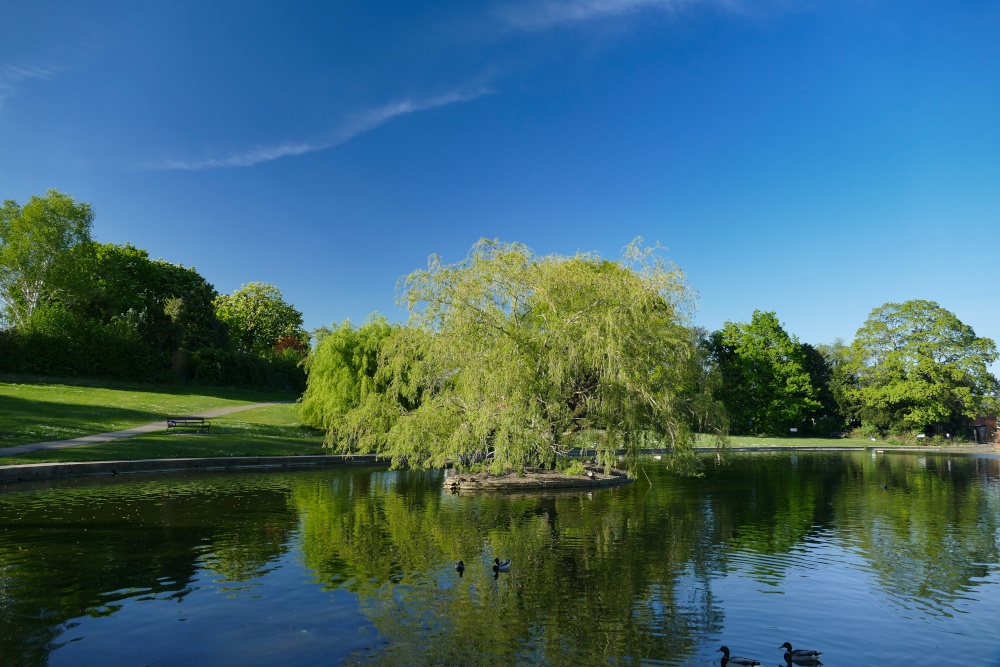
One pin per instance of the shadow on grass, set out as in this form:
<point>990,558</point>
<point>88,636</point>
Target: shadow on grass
<point>29,420</point>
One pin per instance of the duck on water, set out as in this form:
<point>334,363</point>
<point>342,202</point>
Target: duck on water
<point>736,660</point>
<point>801,656</point>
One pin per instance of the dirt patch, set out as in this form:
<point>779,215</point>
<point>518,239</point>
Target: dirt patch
<point>534,479</point>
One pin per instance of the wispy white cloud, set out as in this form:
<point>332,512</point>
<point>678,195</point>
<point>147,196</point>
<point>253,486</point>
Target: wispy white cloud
<point>534,15</point>
<point>352,127</point>
<point>13,75</point>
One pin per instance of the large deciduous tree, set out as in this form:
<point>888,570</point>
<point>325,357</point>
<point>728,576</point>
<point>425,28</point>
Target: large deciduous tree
<point>916,366</point>
<point>766,387</point>
<point>258,316</point>
<point>343,376</point>
<point>35,242</point>
<point>512,358</point>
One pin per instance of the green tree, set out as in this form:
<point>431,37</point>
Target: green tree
<point>342,374</point>
<point>258,316</point>
<point>915,366</point>
<point>35,242</point>
<point>195,320</point>
<point>838,381</point>
<point>766,387</point>
<point>823,373</point>
<point>513,359</point>
<point>123,278</point>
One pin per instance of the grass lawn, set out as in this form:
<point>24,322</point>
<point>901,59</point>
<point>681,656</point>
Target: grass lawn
<point>34,409</point>
<point>269,431</point>
<point>761,441</point>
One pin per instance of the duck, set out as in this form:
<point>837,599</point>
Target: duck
<point>501,566</point>
<point>460,567</point>
<point>735,659</point>
<point>801,656</point>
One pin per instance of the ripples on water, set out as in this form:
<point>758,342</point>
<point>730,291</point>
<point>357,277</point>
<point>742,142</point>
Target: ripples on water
<point>356,566</point>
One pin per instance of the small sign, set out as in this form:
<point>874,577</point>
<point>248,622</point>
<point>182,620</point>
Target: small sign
<point>794,430</point>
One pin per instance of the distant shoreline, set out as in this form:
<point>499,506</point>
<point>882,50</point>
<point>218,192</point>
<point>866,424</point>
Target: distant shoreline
<point>14,474</point>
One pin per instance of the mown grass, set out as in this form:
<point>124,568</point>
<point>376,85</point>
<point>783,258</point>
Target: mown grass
<point>269,431</point>
<point>761,441</point>
<point>771,441</point>
<point>36,409</point>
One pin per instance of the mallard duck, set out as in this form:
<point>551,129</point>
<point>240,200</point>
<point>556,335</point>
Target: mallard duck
<point>800,656</point>
<point>735,659</point>
<point>501,566</point>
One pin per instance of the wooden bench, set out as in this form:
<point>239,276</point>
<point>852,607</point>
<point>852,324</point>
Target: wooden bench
<point>199,423</point>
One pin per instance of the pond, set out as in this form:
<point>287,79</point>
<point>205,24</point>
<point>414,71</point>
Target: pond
<point>871,558</point>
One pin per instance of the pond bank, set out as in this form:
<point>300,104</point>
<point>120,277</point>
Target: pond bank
<point>60,470</point>
<point>39,471</point>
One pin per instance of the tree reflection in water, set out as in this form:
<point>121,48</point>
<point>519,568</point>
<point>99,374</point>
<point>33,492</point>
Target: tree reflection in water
<point>639,573</point>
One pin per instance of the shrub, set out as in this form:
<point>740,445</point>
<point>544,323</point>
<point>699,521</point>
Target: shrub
<point>225,368</point>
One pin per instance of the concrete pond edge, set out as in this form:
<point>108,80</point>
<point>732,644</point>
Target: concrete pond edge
<point>67,470</point>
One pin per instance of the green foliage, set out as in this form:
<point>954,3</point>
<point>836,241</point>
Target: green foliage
<point>123,278</point>
<point>914,366</point>
<point>511,358</point>
<point>59,342</point>
<point>258,316</point>
<point>766,386</point>
<point>193,315</point>
<point>342,375</point>
<point>171,306</point>
<point>825,378</point>
<point>35,243</point>
<point>279,371</point>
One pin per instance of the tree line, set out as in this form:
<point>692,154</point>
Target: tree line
<point>511,359</point>
<point>70,305</point>
<point>507,359</point>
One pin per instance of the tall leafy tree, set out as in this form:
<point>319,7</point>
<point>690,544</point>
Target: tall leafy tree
<point>766,386</point>
<point>915,366</point>
<point>258,316</point>
<point>123,278</point>
<point>35,242</point>
<point>838,381</point>
<point>343,375</point>
<point>823,373</point>
<point>193,316</point>
<point>518,358</point>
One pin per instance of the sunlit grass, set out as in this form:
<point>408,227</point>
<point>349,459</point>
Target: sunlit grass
<point>269,431</point>
<point>39,409</point>
<point>762,441</point>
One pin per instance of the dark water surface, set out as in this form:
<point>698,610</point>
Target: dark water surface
<point>355,566</point>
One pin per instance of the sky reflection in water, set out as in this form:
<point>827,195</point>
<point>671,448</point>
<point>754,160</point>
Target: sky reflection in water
<point>356,566</point>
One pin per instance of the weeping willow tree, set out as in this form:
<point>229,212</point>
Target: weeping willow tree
<point>512,359</point>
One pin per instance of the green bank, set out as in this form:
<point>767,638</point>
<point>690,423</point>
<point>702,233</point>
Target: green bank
<point>43,409</point>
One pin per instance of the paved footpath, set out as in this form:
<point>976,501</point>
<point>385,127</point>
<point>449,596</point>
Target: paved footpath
<point>126,433</point>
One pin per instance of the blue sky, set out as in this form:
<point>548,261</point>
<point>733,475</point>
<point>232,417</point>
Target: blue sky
<point>812,158</point>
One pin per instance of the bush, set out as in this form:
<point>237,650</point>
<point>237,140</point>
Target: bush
<point>58,342</point>
<point>281,370</point>
<point>866,431</point>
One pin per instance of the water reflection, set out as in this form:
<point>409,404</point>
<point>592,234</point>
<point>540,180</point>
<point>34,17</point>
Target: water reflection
<point>358,565</point>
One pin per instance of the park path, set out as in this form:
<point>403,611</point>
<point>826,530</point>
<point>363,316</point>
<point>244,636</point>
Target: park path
<point>160,425</point>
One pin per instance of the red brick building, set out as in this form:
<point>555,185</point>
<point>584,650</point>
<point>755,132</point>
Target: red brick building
<point>985,428</point>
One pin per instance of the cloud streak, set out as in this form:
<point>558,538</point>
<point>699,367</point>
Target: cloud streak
<point>354,126</point>
<point>13,75</point>
<point>536,16</point>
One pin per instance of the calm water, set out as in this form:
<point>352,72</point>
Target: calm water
<point>355,566</point>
